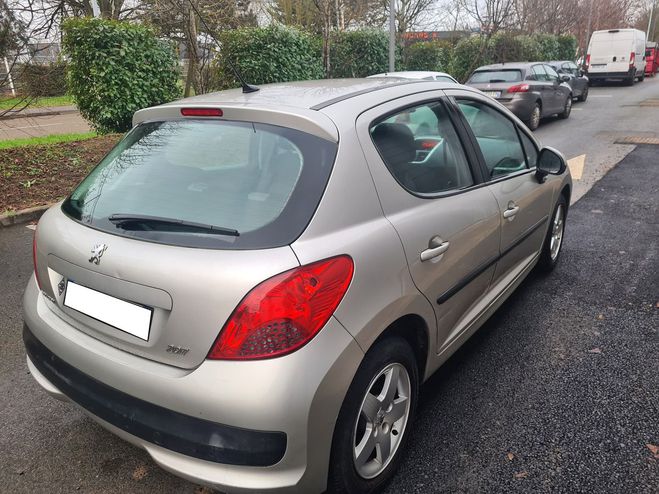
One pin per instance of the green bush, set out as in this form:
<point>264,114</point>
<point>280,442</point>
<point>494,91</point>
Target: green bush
<point>267,54</point>
<point>42,80</point>
<point>469,54</point>
<point>429,55</point>
<point>530,48</point>
<point>506,47</point>
<point>548,46</point>
<point>567,47</point>
<point>115,69</point>
<point>359,53</point>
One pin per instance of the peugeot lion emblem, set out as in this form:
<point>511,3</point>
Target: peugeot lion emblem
<point>97,252</point>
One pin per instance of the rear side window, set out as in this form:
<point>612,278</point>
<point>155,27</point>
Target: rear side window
<point>494,76</point>
<point>539,73</point>
<point>496,136</point>
<point>259,182</point>
<point>422,150</point>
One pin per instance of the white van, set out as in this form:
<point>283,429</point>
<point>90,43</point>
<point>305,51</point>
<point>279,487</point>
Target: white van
<point>616,54</point>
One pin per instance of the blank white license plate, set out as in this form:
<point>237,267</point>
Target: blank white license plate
<point>493,94</point>
<point>126,316</point>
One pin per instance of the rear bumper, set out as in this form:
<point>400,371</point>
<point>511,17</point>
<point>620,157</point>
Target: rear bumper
<point>261,426</point>
<point>178,432</point>
<point>601,76</point>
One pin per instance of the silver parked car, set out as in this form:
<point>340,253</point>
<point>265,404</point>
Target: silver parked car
<point>531,91</point>
<point>252,287</point>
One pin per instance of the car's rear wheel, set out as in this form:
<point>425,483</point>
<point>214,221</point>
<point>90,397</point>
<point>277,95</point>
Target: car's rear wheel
<point>567,109</point>
<point>375,419</point>
<point>630,80</point>
<point>551,249</point>
<point>584,94</point>
<point>641,77</point>
<point>534,119</point>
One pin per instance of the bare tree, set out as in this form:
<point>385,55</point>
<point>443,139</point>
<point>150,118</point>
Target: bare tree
<point>491,15</point>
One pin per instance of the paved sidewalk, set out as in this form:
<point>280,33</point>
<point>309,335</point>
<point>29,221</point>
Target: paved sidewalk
<point>65,120</point>
<point>37,112</point>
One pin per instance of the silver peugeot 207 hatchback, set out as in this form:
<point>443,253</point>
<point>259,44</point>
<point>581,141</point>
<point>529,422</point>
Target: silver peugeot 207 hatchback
<point>252,287</point>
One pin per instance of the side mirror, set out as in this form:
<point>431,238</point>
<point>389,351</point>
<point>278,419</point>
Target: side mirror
<point>550,162</point>
<point>565,78</point>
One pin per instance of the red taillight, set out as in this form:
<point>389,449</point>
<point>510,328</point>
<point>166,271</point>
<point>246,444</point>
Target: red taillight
<point>519,88</point>
<point>587,61</point>
<point>34,258</point>
<point>428,144</point>
<point>201,112</point>
<point>632,58</point>
<point>284,312</point>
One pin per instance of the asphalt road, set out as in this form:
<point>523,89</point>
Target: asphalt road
<point>66,123</point>
<point>558,392</point>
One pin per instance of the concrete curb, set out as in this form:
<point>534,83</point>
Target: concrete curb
<point>32,114</point>
<point>22,216</point>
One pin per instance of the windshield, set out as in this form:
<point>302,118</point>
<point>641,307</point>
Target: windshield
<point>260,183</point>
<point>496,76</point>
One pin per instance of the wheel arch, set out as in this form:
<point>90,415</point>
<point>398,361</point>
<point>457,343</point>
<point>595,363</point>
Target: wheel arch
<point>414,330</point>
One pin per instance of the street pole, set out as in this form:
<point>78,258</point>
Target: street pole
<point>647,34</point>
<point>392,35</point>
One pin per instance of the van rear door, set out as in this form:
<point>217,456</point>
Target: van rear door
<point>610,51</point>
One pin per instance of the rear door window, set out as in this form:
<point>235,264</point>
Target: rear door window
<point>422,150</point>
<point>539,73</point>
<point>261,182</point>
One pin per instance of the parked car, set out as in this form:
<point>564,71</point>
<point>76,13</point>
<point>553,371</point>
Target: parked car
<point>252,287</point>
<point>616,54</point>
<point>578,80</point>
<point>425,75</point>
<point>651,59</point>
<point>530,90</point>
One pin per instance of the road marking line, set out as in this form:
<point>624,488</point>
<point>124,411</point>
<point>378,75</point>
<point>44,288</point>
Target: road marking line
<point>31,227</point>
<point>29,126</point>
<point>577,109</point>
<point>576,165</point>
<point>601,96</point>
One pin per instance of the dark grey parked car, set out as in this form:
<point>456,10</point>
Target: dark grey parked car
<point>578,79</point>
<point>530,90</point>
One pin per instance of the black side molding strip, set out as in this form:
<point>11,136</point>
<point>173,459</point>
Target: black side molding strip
<point>487,264</point>
<point>178,432</point>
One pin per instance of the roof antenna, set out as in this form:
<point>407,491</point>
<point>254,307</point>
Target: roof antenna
<point>247,88</point>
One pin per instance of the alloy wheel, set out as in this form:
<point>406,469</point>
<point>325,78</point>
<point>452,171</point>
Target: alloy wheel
<point>556,238</point>
<point>382,419</point>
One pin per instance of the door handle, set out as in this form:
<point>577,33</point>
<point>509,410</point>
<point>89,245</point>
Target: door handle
<point>510,213</point>
<point>436,247</point>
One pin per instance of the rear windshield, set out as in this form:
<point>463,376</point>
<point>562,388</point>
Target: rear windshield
<point>211,184</point>
<point>493,76</point>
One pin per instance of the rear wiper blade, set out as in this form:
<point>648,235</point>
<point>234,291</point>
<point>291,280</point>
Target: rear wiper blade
<point>497,80</point>
<point>120,219</point>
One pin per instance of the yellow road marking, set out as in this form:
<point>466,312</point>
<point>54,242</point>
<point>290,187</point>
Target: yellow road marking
<point>576,165</point>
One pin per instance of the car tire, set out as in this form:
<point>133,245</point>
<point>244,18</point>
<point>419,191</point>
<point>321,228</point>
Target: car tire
<point>533,121</point>
<point>642,77</point>
<point>630,80</point>
<point>584,94</point>
<point>347,475</point>
<point>567,109</point>
<point>551,248</point>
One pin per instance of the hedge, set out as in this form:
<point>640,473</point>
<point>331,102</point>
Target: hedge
<point>359,53</point>
<point>429,55</point>
<point>267,54</point>
<point>116,68</point>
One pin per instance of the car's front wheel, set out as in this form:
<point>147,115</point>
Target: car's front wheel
<point>584,94</point>
<point>375,419</point>
<point>551,249</point>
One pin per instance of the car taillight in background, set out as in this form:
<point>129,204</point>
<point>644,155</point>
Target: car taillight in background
<point>34,257</point>
<point>283,313</point>
<point>587,61</point>
<point>632,59</point>
<point>519,88</point>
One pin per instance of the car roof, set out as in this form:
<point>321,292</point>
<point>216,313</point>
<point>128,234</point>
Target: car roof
<point>512,66</point>
<point>412,74</point>
<point>313,95</point>
<point>555,62</point>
